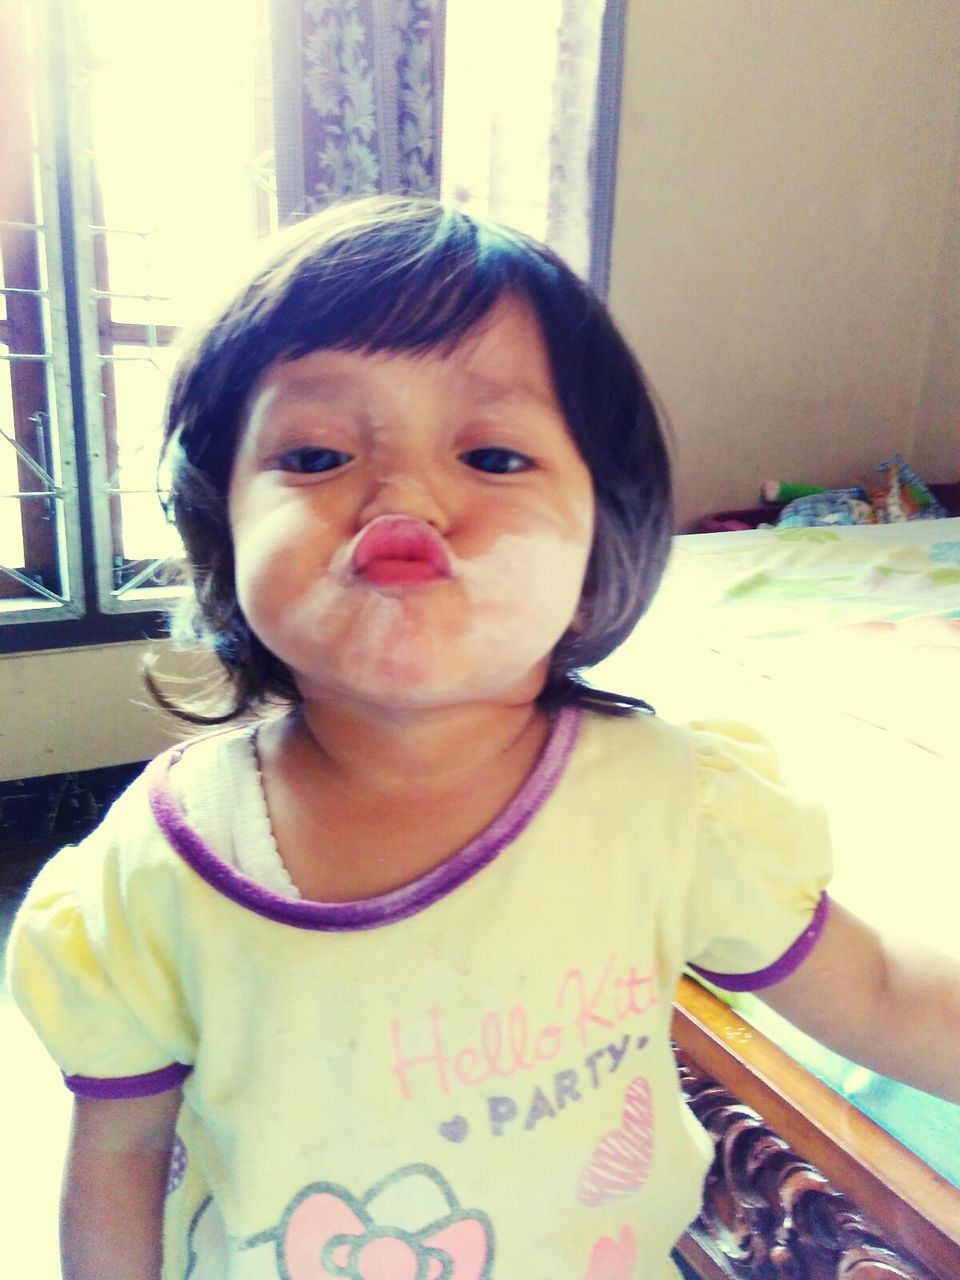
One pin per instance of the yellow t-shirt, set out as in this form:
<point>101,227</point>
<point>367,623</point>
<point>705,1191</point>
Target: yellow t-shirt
<point>470,1078</point>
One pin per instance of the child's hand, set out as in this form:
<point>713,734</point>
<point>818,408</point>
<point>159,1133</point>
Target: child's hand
<point>890,1005</point>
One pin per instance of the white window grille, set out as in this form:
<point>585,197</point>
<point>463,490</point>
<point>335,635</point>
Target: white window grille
<point>39,516</point>
<point>164,174</point>
<point>179,188</point>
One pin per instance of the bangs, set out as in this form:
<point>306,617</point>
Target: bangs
<point>419,282</point>
<point>377,275</point>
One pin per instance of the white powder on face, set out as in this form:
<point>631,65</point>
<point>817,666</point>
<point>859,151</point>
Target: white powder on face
<point>474,636</point>
<point>524,591</point>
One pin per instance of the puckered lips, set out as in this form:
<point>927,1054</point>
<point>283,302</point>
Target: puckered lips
<point>399,551</point>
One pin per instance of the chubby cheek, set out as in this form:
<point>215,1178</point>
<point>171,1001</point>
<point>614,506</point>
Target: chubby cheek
<point>274,567</point>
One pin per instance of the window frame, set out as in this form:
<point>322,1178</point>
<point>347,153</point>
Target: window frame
<point>82,331</point>
<point>98,335</point>
<point>40,378</point>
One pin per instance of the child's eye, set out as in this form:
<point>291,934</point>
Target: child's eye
<point>496,461</point>
<point>311,459</point>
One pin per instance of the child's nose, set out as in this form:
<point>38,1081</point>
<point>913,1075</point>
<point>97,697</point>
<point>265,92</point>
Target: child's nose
<point>403,495</point>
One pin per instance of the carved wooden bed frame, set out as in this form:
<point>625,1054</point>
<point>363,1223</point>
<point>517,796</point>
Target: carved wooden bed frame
<point>803,1185</point>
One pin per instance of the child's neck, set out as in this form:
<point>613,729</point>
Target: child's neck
<point>362,805</point>
<point>417,751</point>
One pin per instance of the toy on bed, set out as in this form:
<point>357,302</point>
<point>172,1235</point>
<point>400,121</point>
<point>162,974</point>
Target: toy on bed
<point>901,495</point>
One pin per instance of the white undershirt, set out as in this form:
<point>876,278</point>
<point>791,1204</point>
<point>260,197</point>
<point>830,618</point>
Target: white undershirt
<point>221,788</point>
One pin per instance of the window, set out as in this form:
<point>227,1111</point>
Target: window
<point>497,145</point>
<point>38,507</point>
<point>138,176</point>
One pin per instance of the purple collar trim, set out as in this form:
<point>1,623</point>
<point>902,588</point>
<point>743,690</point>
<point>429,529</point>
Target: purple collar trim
<point>387,908</point>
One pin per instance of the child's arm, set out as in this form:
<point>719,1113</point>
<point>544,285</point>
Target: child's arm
<point>890,1005</point>
<point>111,1211</point>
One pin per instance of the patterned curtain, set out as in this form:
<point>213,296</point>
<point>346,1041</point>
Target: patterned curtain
<point>530,110</point>
<point>359,96</point>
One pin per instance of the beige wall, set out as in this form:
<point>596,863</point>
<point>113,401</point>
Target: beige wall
<point>785,254</point>
<point>937,447</point>
<point>69,709</point>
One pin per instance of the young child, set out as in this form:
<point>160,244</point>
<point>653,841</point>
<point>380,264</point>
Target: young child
<point>379,985</point>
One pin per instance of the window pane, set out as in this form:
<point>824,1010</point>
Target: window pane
<point>39,535</point>
<point>496,136</point>
<point>140,383</point>
<point>11,531</point>
<point>180,189</point>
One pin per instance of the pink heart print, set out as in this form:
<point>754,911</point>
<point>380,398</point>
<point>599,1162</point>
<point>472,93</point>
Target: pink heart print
<point>613,1259</point>
<point>621,1159</point>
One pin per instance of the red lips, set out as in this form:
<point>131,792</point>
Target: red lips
<point>399,551</point>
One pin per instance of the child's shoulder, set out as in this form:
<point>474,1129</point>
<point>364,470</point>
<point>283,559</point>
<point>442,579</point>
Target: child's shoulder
<point>132,837</point>
<point>691,753</point>
<point>649,734</point>
<point>647,728</point>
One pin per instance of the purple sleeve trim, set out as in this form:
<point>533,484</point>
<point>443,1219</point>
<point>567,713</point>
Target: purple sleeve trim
<point>791,959</point>
<point>387,908</point>
<point>128,1086</point>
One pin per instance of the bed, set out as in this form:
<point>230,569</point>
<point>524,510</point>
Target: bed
<point>843,645</point>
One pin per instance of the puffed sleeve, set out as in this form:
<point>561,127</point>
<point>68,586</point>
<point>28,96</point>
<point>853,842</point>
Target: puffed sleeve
<point>757,901</point>
<point>92,967</point>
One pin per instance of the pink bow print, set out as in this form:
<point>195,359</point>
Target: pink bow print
<point>326,1239</point>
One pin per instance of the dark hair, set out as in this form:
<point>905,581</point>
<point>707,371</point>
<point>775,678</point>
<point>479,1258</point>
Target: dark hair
<point>390,274</point>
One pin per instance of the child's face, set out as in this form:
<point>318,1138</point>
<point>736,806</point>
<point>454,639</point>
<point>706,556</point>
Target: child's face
<point>412,531</point>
